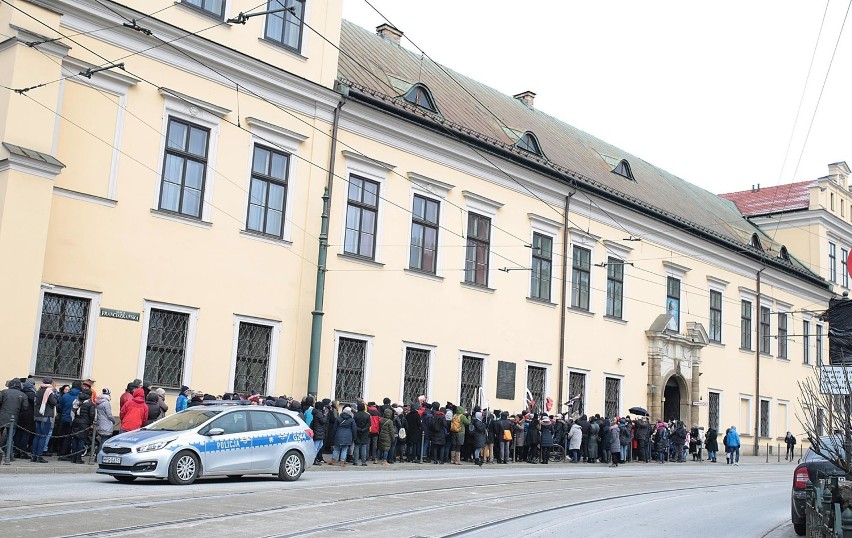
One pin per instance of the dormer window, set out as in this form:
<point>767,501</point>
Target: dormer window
<point>784,255</point>
<point>419,95</point>
<point>623,170</point>
<point>755,241</point>
<point>528,142</point>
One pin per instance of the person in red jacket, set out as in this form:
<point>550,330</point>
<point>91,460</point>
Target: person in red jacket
<point>134,413</point>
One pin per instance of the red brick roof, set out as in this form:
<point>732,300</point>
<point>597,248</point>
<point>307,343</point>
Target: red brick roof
<point>768,200</point>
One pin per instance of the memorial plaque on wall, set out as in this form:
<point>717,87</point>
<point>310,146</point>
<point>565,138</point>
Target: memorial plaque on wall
<point>505,380</point>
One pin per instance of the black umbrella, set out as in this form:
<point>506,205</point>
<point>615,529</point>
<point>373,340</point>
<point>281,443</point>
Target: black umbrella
<point>638,411</point>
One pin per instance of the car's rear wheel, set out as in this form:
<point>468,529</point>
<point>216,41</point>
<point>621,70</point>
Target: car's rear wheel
<point>799,528</point>
<point>184,468</point>
<point>124,479</point>
<point>292,466</point>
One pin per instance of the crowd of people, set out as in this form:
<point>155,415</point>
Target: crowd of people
<point>63,421</point>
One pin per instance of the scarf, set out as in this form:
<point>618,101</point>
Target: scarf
<point>48,391</point>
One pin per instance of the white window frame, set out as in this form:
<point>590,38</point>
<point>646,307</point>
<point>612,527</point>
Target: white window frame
<point>366,168</point>
<point>203,114</point>
<point>749,419</point>
<point>585,396</point>
<point>94,298</point>
<point>286,141</point>
<point>770,304</point>
<point>720,392</point>
<point>819,344</point>
<point>437,191</point>
<point>806,318</point>
<point>476,203</point>
<point>549,228</point>
<point>617,250</point>
<point>368,356</point>
<point>587,241</point>
<point>620,390</point>
<point>191,331</point>
<point>769,418</point>
<point>547,374</point>
<point>430,381</point>
<point>274,344</point>
<point>484,383</point>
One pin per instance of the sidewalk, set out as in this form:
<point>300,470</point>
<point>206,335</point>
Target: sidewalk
<point>25,466</point>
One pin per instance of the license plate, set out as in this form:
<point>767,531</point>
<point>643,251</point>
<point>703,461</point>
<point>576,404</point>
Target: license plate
<point>113,460</point>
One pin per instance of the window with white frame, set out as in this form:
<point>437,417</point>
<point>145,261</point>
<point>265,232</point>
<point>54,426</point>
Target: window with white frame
<point>614,287</point>
<point>714,408</point>
<point>62,335</point>
<point>537,384</point>
<point>415,381</point>
<point>581,269</point>
<point>268,191</point>
<point>350,371</point>
<point>745,325</point>
<point>612,396</point>
<point>361,217</point>
<point>478,249</point>
<point>165,348</point>
<point>577,389</point>
<point>423,252</point>
<point>472,370</point>
<point>765,316</point>
<point>764,418</point>
<point>211,7</point>
<point>251,365</point>
<point>285,26</point>
<point>184,168</point>
<point>782,335</point>
<point>542,266</point>
<point>832,262</point>
<point>806,342</point>
<point>818,342</point>
<point>715,333</point>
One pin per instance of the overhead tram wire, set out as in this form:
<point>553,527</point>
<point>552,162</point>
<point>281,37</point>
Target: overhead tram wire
<point>320,167</point>
<point>816,107</point>
<point>504,124</point>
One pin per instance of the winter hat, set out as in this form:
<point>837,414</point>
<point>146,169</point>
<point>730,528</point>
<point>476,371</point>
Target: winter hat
<point>545,419</point>
<point>558,416</point>
<point>478,415</point>
<point>347,410</point>
<point>77,384</point>
<point>161,392</point>
<point>47,380</point>
<point>106,391</point>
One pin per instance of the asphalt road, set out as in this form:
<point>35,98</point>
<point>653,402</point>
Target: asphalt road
<point>634,500</point>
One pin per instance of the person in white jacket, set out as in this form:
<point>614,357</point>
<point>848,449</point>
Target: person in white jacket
<point>575,439</point>
<point>104,421</point>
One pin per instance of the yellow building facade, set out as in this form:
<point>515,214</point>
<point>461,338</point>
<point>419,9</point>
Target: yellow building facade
<point>165,219</point>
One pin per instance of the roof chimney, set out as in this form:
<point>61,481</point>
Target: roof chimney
<point>389,33</point>
<point>526,98</point>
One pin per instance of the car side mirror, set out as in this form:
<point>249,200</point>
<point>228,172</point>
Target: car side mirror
<point>215,431</point>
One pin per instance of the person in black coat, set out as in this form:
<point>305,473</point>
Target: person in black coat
<point>414,434</point>
<point>362,436</point>
<point>477,437</point>
<point>319,425</point>
<point>81,425</point>
<point>678,438</point>
<point>532,438</point>
<point>345,432</point>
<point>25,424</point>
<point>585,429</point>
<point>13,402</point>
<point>545,429</point>
<point>437,432</point>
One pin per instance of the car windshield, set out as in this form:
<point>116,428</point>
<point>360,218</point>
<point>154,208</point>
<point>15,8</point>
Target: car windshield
<point>832,445</point>
<point>185,420</point>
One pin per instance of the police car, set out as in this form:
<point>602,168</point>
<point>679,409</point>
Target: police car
<point>214,440</point>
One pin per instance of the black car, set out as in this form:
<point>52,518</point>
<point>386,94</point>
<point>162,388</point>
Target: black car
<point>811,467</point>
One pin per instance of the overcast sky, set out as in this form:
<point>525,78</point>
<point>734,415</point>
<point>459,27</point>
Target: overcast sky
<point>708,91</point>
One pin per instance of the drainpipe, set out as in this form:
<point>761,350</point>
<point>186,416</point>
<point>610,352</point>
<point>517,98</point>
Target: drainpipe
<point>564,299</point>
<point>317,313</point>
<point>757,371</point>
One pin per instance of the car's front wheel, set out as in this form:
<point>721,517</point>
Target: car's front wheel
<point>292,466</point>
<point>184,468</point>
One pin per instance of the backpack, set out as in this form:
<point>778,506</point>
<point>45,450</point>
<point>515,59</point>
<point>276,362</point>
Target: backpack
<point>374,423</point>
<point>435,424</point>
<point>455,425</point>
<point>507,435</point>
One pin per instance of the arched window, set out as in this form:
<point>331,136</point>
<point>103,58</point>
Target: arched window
<point>623,169</point>
<point>528,142</point>
<point>419,95</point>
<point>755,241</point>
<point>784,255</point>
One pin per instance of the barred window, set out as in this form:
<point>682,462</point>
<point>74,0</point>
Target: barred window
<point>268,192</point>
<point>536,384</point>
<point>764,418</point>
<point>165,351</point>
<point>715,316</point>
<point>765,315</point>
<point>254,343</point>
<point>416,379</point>
<point>612,396</point>
<point>745,325</point>
<point>361,217</point>
<point>471,380</point>
<point>184,168</point>
<point>577,387</point>
<point>782,336</point>
<point>478,249</point>
<point>423,255</point>
<point>581,277</point>
<point>351,362</point>
<point>714,410</point>
<point>214,7</point>
<point>62,336</point>
<point>542,263</point>
<point>285,27</point>
<point>614,287</point>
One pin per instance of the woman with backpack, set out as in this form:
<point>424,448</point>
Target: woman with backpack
<point>458,425</point>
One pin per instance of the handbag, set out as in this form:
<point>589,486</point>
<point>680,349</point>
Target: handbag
<point>402,433</point>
